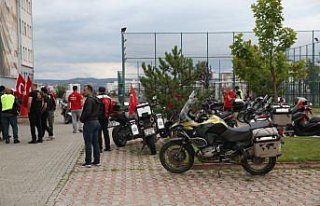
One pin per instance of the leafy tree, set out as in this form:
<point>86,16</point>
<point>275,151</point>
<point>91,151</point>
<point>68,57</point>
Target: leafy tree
<point>173,80</point>
<point>60,90</point>
<point>265,66</point>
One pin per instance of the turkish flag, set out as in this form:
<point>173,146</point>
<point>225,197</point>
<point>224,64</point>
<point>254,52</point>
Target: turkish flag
<point>133,102</point>
<point>27,91</point>
<point>20,86</point>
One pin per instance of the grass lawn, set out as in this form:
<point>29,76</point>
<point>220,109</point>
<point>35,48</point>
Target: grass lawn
<point>300,149</point>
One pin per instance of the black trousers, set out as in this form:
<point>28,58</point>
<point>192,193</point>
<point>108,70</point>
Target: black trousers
<point>104,129</point>
<point>35,122</point>
<point>44,124</point>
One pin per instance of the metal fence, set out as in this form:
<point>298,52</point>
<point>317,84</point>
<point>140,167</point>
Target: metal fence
<point>211,47</point>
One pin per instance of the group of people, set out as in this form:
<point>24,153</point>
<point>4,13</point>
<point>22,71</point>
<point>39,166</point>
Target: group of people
<point>93,113</point>
<point>41,106</point>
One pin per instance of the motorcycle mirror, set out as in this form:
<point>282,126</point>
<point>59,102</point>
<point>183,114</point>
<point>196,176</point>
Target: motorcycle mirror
<point>310,104</point>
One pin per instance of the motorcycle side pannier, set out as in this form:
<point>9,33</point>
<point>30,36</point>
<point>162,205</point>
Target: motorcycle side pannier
<point>266,142</point>
<point>281,115</point>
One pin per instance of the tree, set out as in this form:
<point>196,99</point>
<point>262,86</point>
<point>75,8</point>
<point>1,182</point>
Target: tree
<point>258,64</point>
<point>60,90</point>
<point>173,80</point>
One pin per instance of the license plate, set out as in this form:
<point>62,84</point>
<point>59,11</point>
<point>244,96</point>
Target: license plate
<point>134,129</point>
<point>160,123</point>
<point>149,131</point>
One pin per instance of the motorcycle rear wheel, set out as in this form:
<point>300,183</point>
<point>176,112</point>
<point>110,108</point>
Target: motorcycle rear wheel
<point>119,136</point>
<point>176,157</point>
<point>259,166</point>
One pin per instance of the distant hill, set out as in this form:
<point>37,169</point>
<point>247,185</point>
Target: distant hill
<point>93,81</point>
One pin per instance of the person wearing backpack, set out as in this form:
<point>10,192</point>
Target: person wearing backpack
<point>106,107</point>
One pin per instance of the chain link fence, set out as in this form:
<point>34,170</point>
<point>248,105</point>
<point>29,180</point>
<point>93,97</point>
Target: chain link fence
<point>214,48</point>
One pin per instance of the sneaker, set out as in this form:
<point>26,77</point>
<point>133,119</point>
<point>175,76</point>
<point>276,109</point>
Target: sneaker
<point>80,130</point>
<point>108,149</point>
<point>52,137</point>
<point>7,141</point>
<point>39,141</point>
<point>32,142</point>
<point>16,141</point>
<point>97,164</point>
<point>47,139</point>
<point>86,165</point>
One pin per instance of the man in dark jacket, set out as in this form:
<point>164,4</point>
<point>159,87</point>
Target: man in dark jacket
<point>90,116</point>
<point>106,105</point>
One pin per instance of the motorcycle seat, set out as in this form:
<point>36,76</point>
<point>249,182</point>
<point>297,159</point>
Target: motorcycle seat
<point>314,120</point>
<point>224,114</point>
<point>237,134</point>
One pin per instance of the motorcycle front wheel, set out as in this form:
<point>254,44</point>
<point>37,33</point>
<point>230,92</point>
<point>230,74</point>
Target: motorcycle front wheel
<point>258,165</point>
<point>176,157</point>
<point>119,136</point>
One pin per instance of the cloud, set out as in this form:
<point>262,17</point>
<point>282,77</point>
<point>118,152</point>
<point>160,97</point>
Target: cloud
<point>79,37</point>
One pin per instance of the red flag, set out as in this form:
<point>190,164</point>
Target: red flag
<point>27,91</point>
<point>133,100</point>
<point>20,86</point>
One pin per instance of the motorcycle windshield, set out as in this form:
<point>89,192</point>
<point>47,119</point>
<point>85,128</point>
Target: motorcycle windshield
<point>183,116</point>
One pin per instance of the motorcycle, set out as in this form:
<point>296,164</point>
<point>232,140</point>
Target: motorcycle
<point>211,106</point>
<point>255,147</point>
<point>66,113</point>
<point>302,124</point>
<point>145,124</point>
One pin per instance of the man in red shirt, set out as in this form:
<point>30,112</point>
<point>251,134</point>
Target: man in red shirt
<point>75,104</point>
<point>229,96</point>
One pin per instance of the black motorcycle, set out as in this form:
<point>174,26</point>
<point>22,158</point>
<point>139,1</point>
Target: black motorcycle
<point>302,124</point>
<point>255,147</point>
<point>66,113</point>
<point>144,124</point>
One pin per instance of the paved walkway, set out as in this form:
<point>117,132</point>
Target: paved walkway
<point>127,178</point>
<point>44,174</point>
<point>34,174</point>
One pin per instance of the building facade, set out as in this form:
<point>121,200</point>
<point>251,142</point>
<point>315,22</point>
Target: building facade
<point>16,40</point>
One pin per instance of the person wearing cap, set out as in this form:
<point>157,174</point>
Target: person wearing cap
<point>10,110</point>
<point>107,106</point>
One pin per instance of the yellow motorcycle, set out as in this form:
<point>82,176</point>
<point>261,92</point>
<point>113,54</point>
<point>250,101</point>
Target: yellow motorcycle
<point>256,147</point>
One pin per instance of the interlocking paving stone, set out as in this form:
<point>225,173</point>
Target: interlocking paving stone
<point>127,177</point>
<point>31,174</point>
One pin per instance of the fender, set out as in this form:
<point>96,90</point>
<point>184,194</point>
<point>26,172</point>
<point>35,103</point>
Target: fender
<point>181,141</point>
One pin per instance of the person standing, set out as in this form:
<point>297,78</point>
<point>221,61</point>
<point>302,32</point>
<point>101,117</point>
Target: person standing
<point>106,109</point>
<point>46,109</point>
<point>35,103</point>
<point>75,102</point>
<point>10,110</point>
<point>239,93</point>
<point>2,88</point>
<point>89,117</point>
<point>229,96</point>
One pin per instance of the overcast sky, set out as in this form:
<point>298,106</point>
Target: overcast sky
<point>81,38</point>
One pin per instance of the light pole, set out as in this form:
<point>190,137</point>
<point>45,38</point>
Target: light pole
<point>123,40</point>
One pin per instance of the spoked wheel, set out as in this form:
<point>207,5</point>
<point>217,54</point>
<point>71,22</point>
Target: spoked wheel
<point>258,165</point>
<point>119,136</point>
<point>176,157</point>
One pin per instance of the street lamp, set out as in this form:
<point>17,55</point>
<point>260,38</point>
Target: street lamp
<point>123,40</point>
